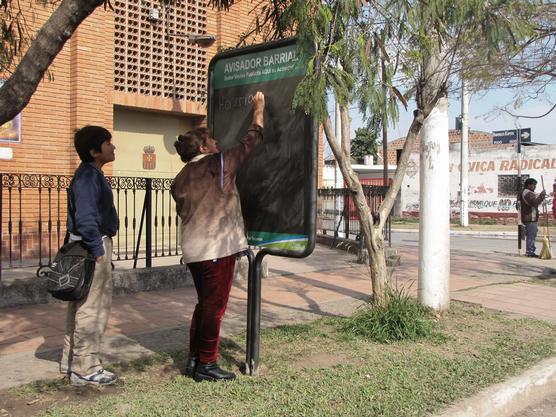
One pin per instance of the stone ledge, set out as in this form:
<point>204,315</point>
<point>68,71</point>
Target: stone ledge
<point>32,290</point>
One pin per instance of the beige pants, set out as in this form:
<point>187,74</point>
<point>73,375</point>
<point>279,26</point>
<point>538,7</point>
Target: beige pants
<point>87,319</point>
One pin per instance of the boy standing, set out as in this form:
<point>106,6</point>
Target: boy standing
<point>92,218</point>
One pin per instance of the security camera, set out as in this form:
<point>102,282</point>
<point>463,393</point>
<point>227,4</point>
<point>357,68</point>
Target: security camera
<point>154,15</point>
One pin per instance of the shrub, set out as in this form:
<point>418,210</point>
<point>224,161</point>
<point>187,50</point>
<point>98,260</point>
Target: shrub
<point>400,317</point>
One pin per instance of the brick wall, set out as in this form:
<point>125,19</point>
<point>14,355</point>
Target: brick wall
<point>477,140</point>
<point>80,90</point>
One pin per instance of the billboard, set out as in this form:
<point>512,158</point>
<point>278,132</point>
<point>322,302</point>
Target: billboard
<point>277,184</point>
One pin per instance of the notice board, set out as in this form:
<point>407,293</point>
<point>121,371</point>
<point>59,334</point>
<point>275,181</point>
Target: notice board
<point>277,184</point>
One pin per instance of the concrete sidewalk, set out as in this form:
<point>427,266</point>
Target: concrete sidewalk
<point>328,282</point>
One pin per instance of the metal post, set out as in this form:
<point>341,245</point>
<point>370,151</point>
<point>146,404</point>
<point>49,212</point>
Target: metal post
<point>464,177</point>
<point>254,314</point>
<point>345,213</point>
<point>148,225</point>
<point>139,235</point>
<point>519,191</point>
<point>1,235</point>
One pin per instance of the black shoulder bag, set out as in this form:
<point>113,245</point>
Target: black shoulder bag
<point>70,274</point>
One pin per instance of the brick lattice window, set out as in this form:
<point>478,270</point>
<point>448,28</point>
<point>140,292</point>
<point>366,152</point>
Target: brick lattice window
<point>508,185</point>
<point>149,60</point>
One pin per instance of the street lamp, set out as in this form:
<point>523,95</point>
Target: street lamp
<point>204,41</point>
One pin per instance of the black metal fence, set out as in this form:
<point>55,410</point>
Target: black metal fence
<point>33,218</point>
<point>337,214</point>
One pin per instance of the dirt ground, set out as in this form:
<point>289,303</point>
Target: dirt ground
<point>547,408</point>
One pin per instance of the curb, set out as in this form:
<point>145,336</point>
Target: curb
<point>470,233</point>
<point>509,397</point>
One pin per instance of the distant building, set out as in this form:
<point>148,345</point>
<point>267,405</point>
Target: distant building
<point>493,184</point>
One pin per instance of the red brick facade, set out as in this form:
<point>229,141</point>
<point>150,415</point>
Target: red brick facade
<point>477,141</point>
<point>80,90</point>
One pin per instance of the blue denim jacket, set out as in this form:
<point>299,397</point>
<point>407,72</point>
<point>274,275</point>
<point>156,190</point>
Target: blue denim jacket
<point>91,211</point>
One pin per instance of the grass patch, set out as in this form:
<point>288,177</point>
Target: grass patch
<point>317,369</point>
<point>401,317</point>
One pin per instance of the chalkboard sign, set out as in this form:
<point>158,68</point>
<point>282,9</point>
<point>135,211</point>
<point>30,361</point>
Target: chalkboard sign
<point>278,183</point>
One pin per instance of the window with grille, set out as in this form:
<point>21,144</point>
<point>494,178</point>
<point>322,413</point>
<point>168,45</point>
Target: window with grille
<point>508,185</point>
<point>150,59</point>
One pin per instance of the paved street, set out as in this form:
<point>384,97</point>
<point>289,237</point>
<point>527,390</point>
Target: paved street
<point>466,243</point>
<point>546,408</point>
<point>327,282</point>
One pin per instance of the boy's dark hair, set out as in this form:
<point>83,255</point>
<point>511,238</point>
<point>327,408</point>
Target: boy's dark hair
<point>529,181</point>
<point>88,138</point>
<point>189,144</point>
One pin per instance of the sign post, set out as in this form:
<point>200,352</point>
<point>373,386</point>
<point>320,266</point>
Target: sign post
<point>517,136</point>
<point>500,137</point>
<point>277,184</point>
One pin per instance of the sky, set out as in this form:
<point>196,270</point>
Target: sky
<point>483,116</point>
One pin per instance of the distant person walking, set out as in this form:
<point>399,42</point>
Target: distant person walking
<point>530,214</point>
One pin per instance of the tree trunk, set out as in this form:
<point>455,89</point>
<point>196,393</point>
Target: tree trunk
<point>372,226</point>
<point>18,89</point>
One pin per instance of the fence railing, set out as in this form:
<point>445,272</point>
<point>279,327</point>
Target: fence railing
<point>33,210</point>
<point>337,214</point>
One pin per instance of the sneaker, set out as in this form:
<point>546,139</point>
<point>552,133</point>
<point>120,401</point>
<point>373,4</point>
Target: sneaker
<point>532,255</point>
<point>212,372</point>
<point>100,377</point>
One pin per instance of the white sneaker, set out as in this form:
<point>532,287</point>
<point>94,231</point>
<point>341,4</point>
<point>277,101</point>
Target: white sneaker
<point>100,377</point>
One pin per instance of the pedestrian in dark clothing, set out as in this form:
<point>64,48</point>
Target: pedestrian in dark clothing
<point>530,214</point>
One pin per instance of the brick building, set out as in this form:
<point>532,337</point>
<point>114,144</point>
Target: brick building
<point>133,71</point>
<point>477,141</point>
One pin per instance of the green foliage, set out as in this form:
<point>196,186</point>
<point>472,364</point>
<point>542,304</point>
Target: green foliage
<point>400,317</point>
<point>368,52</point>
<point>364,142</point>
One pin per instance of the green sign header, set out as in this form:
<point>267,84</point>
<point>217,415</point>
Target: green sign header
<point>275,64</point>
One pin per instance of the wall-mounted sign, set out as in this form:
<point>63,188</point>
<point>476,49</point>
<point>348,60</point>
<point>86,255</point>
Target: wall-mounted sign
<point>6,153</point>
<point>11,131</point>
<point>149,157</point>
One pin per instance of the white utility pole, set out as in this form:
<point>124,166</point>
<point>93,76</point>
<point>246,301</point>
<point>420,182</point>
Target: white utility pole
<point>434,211</point>
<point>464,173</point>
<point>338,178</point>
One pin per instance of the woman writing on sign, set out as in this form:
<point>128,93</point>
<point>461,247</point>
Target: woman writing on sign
<point>212,233</point>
